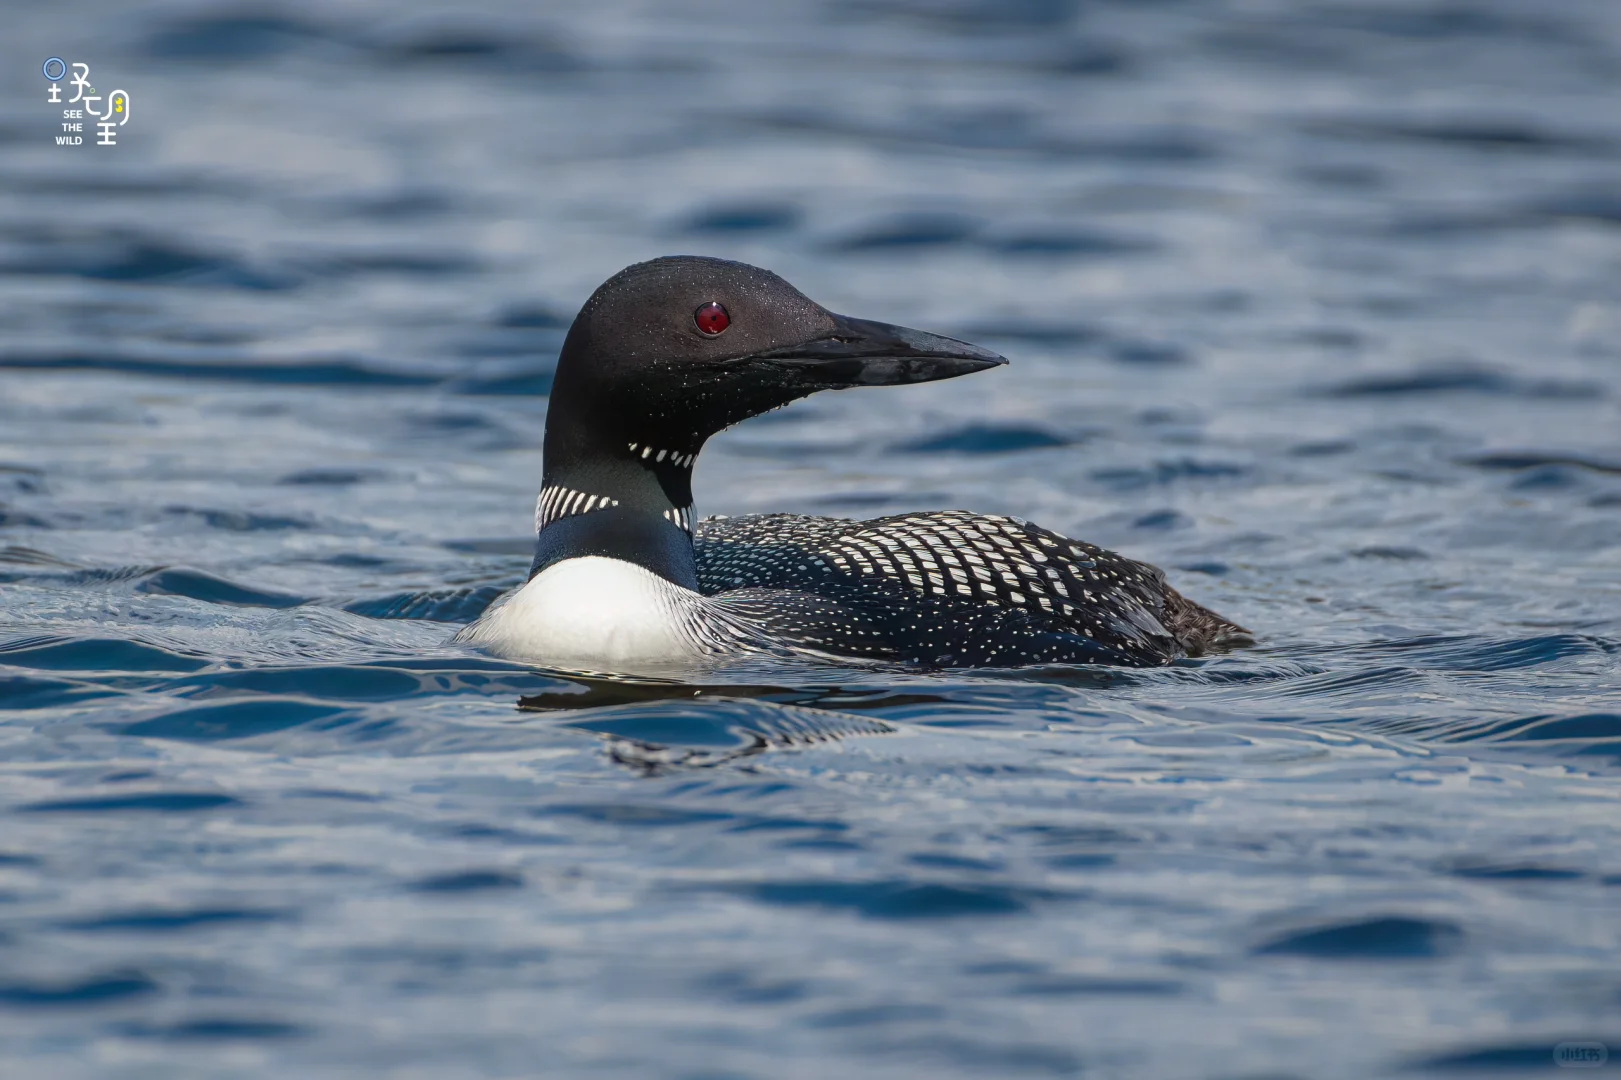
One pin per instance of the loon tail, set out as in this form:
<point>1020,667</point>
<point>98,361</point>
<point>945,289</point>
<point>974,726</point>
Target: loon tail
<point>1199,629</point>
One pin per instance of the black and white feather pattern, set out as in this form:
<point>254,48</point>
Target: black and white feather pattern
<point>655,456</point>
<point>951,589</point>
<point>557,501</point>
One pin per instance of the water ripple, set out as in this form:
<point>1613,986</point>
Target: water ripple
<point>1311,304</point>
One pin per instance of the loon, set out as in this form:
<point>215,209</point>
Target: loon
<point>667,353</point>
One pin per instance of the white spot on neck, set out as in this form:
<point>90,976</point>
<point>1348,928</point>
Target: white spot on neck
<point>674,457</point>
<point>680,516</point>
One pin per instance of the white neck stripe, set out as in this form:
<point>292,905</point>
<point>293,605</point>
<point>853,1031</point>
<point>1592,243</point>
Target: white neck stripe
<point>557,502</point>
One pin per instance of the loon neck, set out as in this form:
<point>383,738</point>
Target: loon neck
<point>618,479</point>
<point>659,484</point>
<point>632,503</point>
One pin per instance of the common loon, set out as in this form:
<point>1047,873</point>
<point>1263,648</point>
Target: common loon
<point>665,354</point>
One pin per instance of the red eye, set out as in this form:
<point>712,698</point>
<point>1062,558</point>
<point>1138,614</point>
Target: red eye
<point>712,318</point>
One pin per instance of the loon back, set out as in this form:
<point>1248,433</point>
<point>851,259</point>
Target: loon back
<point>948,589</point>
<point>667,353</point>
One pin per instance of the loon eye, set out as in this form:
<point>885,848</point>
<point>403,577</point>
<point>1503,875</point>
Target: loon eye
<point>712,319</point>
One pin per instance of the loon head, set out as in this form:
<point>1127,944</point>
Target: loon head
<point>666,353</point>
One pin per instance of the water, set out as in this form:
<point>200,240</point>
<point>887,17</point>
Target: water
<point>1313,304</point>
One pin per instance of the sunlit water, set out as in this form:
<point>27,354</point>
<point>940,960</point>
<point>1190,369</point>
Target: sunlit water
<point>1314,304</point>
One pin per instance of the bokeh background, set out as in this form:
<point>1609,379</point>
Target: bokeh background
<point>1316,304</point>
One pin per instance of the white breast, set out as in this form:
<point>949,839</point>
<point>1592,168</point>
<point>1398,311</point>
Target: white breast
<point>599,613</point>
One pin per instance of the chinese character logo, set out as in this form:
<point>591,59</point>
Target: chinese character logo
<point>107,120</point>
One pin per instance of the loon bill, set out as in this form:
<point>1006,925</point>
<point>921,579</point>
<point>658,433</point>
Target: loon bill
<point>667,353</point>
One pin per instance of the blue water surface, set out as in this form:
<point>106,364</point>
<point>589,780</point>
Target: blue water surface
<point>1317,304</point>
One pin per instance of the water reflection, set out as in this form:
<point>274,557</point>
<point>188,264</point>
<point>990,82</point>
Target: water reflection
<point>702,726</point>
